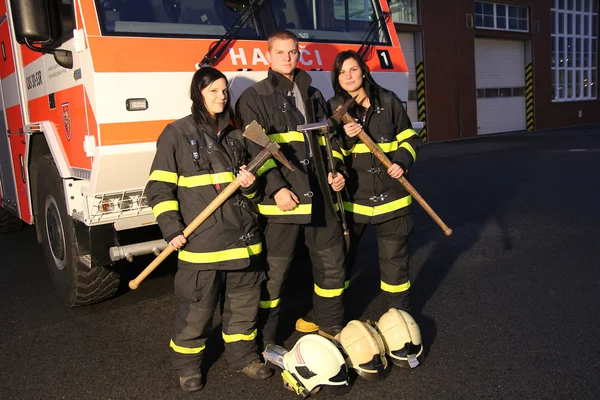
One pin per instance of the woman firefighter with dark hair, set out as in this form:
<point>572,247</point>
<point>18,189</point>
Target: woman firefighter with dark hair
<point>196,158</point>
<point>375,195</point>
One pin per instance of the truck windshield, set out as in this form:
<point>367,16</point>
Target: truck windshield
<point>204,18</point>
<point>342,21</point>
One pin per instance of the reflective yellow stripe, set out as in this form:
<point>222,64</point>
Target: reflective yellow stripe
<point>346,284</point>
<point>405,134</point>
<point>206,179</point>
<point>269,303</point>
<point>239,336</point>
<point>251,195</point>
<point>337,154</point>
<point>163,176</point>
<point>328,292</point>
<point>410,149</point>
<point>385,147</point>
<point>186,350</point>
<point>395,288</point>
<point>265,167</point>
<point>346,152</point>
<point>291,136</point>
<point>223,255</point>
<point>378,210</point>
<point>301,209</point>
<point>169,205</point>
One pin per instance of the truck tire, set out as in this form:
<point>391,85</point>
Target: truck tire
<point>76,283</point>
<point>8,221</point>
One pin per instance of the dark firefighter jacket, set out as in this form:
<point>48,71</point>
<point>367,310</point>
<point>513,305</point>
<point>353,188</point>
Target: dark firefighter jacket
<point>185,178</point>
<point>271,104</point>
<point>374,196</point>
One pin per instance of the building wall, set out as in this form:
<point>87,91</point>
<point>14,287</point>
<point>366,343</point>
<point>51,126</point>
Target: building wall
<point>449,60</point>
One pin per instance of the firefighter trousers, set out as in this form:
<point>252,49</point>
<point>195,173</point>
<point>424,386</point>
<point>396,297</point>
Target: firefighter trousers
<point>199,293</point>
<point>392,237</point>
<point>326,248</point>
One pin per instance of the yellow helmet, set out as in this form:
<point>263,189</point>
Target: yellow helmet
<point>402,338</point>
<point>365,350</point>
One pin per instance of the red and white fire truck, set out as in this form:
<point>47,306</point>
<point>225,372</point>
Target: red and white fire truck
<point>88,85</point>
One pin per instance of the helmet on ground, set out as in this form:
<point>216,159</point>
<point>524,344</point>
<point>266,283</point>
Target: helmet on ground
<point>402,338</point>
<point>312,362</point>
<point>365,350</point>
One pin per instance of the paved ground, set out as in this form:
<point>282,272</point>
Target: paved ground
<point>508,305</point>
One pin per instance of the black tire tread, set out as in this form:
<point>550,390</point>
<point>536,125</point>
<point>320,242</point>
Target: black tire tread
<point>95,285</point>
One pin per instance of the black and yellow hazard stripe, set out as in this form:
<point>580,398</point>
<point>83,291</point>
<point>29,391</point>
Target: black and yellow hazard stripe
<point>529,96</point>
<point>421,99</point>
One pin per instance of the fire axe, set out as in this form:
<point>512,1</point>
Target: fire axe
<point>270,150</point>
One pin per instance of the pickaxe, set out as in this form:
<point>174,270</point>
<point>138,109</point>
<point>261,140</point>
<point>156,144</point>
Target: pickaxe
<point>270,149</point>
<point>366,139</point>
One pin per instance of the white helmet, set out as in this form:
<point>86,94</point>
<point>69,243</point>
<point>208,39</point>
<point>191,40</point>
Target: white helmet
<point>365,350</point>
<point>312,362</point>
<point>402,338</point>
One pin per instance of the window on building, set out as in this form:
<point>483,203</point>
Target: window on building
<point>573,47</point>
<point>504,17</point>
<point>404,11</point>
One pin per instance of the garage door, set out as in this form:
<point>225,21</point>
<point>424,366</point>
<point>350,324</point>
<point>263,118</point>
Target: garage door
<point>407,42</point>
<point>500,83</point>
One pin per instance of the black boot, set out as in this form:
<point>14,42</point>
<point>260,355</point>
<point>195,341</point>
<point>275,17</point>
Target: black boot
<point>191,383</point>
<point>257,370</point>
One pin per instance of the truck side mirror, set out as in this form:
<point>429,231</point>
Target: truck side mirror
<point>30,18</point>
<point>32,21</point>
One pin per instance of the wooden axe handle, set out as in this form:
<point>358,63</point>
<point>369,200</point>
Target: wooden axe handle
<point>211,208</point>
<point>347,118</point>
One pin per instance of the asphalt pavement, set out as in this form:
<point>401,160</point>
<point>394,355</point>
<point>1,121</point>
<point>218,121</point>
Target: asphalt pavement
<point>508,305</point>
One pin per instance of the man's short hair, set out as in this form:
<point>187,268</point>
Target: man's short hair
<point>281,34</point>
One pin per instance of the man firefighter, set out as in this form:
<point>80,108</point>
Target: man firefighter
<point>298,200</point>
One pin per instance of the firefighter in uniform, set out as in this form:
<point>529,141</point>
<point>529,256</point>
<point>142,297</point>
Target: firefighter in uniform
<point>301,199</point>
<point>196,157</point>
<point>375,195</point>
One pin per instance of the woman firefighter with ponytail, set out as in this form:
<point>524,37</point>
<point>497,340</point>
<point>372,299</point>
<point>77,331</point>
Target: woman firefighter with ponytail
<point>196,158</point>
<point>375,195</point>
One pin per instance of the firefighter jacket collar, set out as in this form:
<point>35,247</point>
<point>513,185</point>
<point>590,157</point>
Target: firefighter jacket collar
<point>301,78</point>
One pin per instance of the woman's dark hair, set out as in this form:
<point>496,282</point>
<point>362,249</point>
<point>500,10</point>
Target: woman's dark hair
<point>201,79</point>
<point>371,87</point>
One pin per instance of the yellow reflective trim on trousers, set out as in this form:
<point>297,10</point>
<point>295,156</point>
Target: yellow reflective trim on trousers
<point>250,195</point>
<point>163,176</point>
<point>410,149</point>
<point>185,350</point>
<point>301,209</point>
<point>269,164</point>
<point>329,293</point>
<point>239,336</point>
<point>385,147</point>
<point>405,134</point>
<point>395,288</point>
<point>206,179</point>
<point>269,303</point>
<point>287,137</point>
<point>378,210</point>
<point>223,255</point>
<point>164,206</point>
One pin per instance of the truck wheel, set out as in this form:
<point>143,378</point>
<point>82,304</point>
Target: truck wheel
<point>9,222</point>
<point>76,283</point>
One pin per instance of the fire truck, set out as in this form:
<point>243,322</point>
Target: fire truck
<point>87,86</point>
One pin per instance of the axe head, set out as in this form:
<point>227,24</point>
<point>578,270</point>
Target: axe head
<point>255,133</point>
<point>339,112</point>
